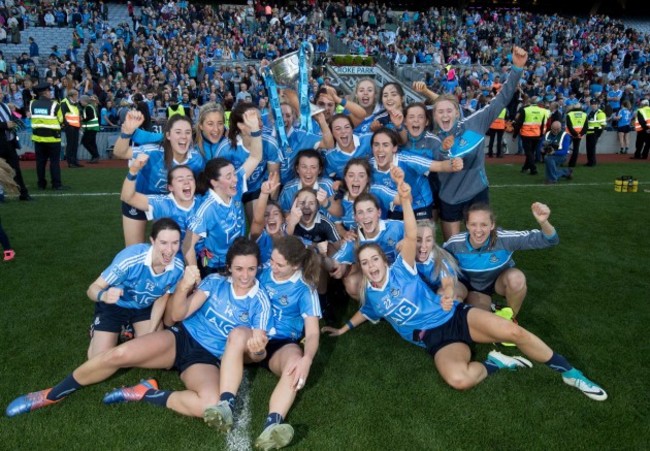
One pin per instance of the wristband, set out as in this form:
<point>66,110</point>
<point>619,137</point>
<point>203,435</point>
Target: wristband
<point>131,177</point>
<point>260,353</point>
<point>344,101</point>
<point>400,128</point>
<point>256,134</point>
<point>126,135</point>
<point>99,294</point>
<point>349,324</point>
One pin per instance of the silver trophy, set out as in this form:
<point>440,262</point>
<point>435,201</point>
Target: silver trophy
<point>286,72</point>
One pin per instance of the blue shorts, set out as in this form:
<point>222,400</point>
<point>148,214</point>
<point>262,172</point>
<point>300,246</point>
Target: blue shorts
<point>133,213</point>
<point>111,317</point>
<point>274,346</point>
<point>189,351</point>
<point>455,330</point>
<point>456,212</point>
<point>624,129</point>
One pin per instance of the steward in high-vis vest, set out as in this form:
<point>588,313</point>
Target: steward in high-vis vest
<point>596,122</point>
<point>530,125</point>
<point>642,127</point>
<point>175,108</point>
<point>46,135</point>
<point>576,126</point>
<point>71,120</point>
<point>90,125</point>
<point>497,128</point>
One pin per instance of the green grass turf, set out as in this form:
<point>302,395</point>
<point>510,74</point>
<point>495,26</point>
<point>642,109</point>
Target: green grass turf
<point>368,389</point>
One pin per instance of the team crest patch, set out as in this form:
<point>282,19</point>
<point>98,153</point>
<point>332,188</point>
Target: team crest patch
<point>394,292</point>
<point>284,299</point>
<point>133,211</point>
<point>243,317</point>
<point>391,242</point>
<point>494,259</point>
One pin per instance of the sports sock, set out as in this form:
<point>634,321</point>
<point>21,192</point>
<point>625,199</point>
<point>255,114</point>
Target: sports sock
<point>273,418</point>
<point>559,363</point>
<point>229,398</point>
<point>491,367</point>
<point>64,388</point>
<point>157,397</point>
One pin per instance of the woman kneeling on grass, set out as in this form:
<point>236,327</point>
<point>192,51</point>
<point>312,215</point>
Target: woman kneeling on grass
<point>290,281</point>
<point>445,328</point>
<point>193,347</point>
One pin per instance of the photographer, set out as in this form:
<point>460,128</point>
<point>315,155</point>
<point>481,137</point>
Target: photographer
<point>556,147</point>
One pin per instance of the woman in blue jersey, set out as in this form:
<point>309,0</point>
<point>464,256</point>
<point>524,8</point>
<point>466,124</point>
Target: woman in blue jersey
<point>365,95</point>
<point>193,347</point>
<point>348,146</point>
<point>180,204</point>
<point>220,218</point>
<point>624,125</point>
<point>465,137</point>
<point>445,328</point>
<point>357,177</point>
<point>391,97</point>
<point>139,276</point>
<point>436,266</point>
<point>237,148</point>
<point>175,149</point>
<point>290,281</point>
<point>209,129</point>
<point>268,220</point>
<point>416,169</point>
<point>484,253</point>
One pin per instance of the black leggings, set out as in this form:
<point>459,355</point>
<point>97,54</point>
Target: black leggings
<point>4,239</point>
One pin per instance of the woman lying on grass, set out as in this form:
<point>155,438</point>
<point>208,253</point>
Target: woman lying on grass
<point>444,327</point>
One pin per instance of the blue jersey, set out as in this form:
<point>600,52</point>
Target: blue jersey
<point>265,243</point>
<point>390,233</point>
<point>152,178</point>
<point>481,267</point>
<point>223,310</point>
<point>132,272</point>
<point>298,140</point>
<point>427,271</point>
<point>290,189</point>
<point>165,206</point>
<point>210,148</point>
<point>625,117</point>
<point>336,159</point>
<point>405,301</point>
<point>384,195</point>
<point>239,154</point>
<point>416,170</point>
<point>219,223</point>
<point>292,300</point>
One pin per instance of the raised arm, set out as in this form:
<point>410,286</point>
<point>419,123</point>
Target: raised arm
<point>251,126</point>
<point>356,110</point>
<point>257,225</point>
<point>327,141</point>
<point>189,243</point>
<point>129,194</point>
<point>541,212</point>
<point>421,87</point>
<point>409,243</point>
<point>181,304</point>
<point>133,120</point>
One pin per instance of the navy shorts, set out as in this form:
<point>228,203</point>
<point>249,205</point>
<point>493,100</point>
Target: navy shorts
<point>189,351</point>
<point>455,330</point>
<point>133,213</point>
<point>111,317</point>
<point>456,212</point>
<point>489,291</point>
<point>420,213</point>
<point>250,195</point>
<point>274,346</point>
<point>625,129</point>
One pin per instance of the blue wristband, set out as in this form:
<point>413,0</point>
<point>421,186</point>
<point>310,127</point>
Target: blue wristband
<point>344,101</point>
<point>99,294</point>
<point>125,135</point>
<point>349,324</point>
<point>131,177</point>
<point>256,134</point>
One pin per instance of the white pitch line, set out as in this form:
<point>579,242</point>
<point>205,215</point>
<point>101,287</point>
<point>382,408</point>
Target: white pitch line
<point>238,439</point>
